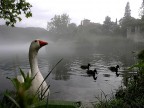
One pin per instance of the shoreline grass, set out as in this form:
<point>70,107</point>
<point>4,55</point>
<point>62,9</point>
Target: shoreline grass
<point>131,96</point>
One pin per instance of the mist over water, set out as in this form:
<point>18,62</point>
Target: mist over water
<point>61,48</point>
<point>68,81</point>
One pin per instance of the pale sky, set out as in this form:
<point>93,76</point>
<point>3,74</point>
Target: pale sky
<point>94,10</point>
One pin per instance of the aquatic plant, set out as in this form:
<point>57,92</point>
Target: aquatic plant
<point>19,98</point>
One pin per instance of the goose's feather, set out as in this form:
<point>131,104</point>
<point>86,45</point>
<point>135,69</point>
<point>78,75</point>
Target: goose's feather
<point>34,70</point>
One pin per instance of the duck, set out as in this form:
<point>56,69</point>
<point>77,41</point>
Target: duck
<point>85,66</point>
<point>92,73</point>
<point>117,74</point>
<point>114,69</point>
<point>34,70</point>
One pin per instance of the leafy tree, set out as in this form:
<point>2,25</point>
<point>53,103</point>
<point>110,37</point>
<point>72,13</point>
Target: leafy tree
<point>95,28</point>
<point>59,23</point>
<point>142,10</point>
<point>10,10</point>
<point>110,27</point>
<point>141,21</point>
<point>107,24</point>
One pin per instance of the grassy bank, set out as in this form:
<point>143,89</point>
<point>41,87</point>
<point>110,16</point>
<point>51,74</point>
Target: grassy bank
<point>131,96</point>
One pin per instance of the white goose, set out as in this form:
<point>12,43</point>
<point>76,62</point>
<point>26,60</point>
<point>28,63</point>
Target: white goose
<point>33,51</point>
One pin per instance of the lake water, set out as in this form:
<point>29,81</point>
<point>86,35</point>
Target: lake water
<point>68,81</point>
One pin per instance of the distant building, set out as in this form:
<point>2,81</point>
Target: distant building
<point>134,33</point>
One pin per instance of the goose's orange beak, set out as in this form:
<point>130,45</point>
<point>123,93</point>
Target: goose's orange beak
<point>42,43</point>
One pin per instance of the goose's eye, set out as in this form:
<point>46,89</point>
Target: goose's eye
<point>35,41</point>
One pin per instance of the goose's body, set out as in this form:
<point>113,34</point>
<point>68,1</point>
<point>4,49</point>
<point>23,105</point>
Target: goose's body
<point>34,70</point>
<point>92,73</point>
<point>85,66</point>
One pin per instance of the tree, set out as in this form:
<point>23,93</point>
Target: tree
<point>107,24</point>
<point>141,14</point>
<point>10,10</point>
<point>127,10</point>
<point>142,10</point>
<point>59,24</point>
<point>127,20</point>
<point>110,27</point>
<point>94,28</point>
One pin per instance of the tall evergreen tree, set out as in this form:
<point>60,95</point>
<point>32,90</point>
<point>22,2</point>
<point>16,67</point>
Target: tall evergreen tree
<point>127,10</point>
<point>127,20</point>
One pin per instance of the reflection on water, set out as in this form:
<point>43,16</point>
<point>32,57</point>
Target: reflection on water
<point>106,75</point>
<point>68,81</point>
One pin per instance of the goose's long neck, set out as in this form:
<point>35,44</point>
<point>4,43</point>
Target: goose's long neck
<point>33,62</point>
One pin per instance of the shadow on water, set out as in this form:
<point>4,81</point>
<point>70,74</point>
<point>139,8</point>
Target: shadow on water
<point>106,75</point>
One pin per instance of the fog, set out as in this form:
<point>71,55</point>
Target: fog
<point>16,40</point>
<point>99,50</point>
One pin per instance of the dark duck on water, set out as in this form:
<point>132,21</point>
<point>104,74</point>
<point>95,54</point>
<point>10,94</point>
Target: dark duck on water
<point>92,73</point>
<point>86,66</point>
<point>114,69</point>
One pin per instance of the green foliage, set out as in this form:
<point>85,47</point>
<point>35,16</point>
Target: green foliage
<point>133,95</point>
<point>127,22</point>
<point>12,100</point>
<point>115,103</point>
<point>22,86</point>
<point>108,103</point>
<point>8,101</point>
<point>141,55</point>
<point>61,27</point>
<point>59,23</point>
<point>109,27</point>
<point>20,98</point>
<point>10,10</point>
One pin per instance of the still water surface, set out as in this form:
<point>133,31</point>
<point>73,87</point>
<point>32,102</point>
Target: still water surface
<point>68,81</point>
